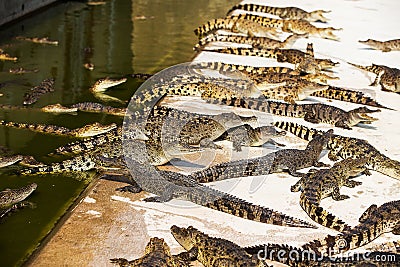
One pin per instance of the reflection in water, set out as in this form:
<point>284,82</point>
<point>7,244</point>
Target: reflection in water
<point>119,38</point>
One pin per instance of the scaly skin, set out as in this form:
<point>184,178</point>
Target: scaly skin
<point>347,95</point>
<point>297,26</point>
<point>99,108</point>
<point>212,251</point>
<point>346,147</point>
<point>157,253</point>
<point>388,78</point>
<point>85,131</point>
<point>9,197</point>
<point>374,222</point>
<point>297,257</point>
<point>46,86</point>
<point>285,159</point>
<point>315,113</point>
<point>319,184</point>
<point>244,26</point>
<point>385,46</point>
<point>9,160</point>
<point>284,12</point>
<point>37,40</point>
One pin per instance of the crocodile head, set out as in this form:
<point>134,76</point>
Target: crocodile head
<point>373,43</point>
<point>157,244</point>
<point>10,160</point>
<point>94,129</point>
<point>353,166</point>
<point>359,115</point>
<point>58,108</point>
<point>186,237</point>
<point>317,15</point>
<point>308,65</point>
<point>265,133</point>
<point>230,119</point>
<point>103,84</point>
<point>320,141</point>
<point>319,77</point>
<point>10,197</point>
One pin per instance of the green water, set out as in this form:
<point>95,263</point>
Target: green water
<point>124,37</point>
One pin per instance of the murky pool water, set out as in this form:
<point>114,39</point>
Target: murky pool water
<point>120,37</point>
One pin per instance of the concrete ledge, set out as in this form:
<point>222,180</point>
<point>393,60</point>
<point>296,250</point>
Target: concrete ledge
<point>12,10</point>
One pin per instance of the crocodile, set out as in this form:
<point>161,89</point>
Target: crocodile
<point>37,40</point>
<point>278,161</point>
<point>256,42</point>
<point>98,108</point>
<point>319,184</point>
<point>374,222</point>
<point>298,257</point>
<point>292,56</point>
<point>347,95</point>
<point>21,70</point>
<point>157,253</point>
<point>4,56</point>
<point>243,26</point>
<point>212,251</point>
<point>245,135</point>
<point>346,147</point>
<point>388,78</point>
<point>12,199</point>
<point>46,86</point>
<point>298,26</point>
<point>103,84</point>
<point>283,12</point>
<point>385,46</point>
<point>314,113</point>
<point>53,108</point>
<point>85,131</point>
<point>10,160</point>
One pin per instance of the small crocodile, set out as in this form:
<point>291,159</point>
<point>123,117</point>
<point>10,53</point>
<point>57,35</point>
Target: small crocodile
<point>257,42</point>
<point>212,251</point>
<point>157,254</point>
<point>21,70</point>
<point>103,84</point>
<point>298,257</point>
<point>4,56</point>
<point>245,135</point>
<point>385,46</point>
<point>345,147</point>
<point>85,131</point>
<point>298,26</point>
<point>10,197</point>
<point>314,113</point>
<point>285,159</point>
<point>37,40</point>
<point>54,108</point>
<point>46,86</point>
<point>98,108</point>
<point>284,12</point>
<point>374,222</point>
<point>319,184</point>
<point>243,26</point>
<point>388,78</point>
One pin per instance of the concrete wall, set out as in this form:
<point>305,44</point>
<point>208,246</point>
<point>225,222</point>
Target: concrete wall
<point>13,9</point>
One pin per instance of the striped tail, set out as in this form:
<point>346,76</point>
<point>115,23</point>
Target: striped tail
<point>41,128</point>
<point>252,8</point>
<point>297,129</point>
<point>213,25</point>
<point>80,163</point>
<point>348,96</point>
<point>319,215</point>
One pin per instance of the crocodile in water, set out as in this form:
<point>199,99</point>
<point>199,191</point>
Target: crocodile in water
<point>46,86</point>
<point>38,40</point>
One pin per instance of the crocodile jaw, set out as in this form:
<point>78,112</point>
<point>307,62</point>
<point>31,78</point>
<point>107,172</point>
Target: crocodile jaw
<point>103,84</point>
<point>183,236</point>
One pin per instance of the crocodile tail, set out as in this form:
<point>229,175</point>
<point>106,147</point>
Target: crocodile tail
<point>213,25</point>
<point>321,216</point>
<point>252,8</point>
<point>263,21</point>
<point>297,129</point>
<point>241,208</point>
<point>348,96</point>
<point>80,163</point>
<point>41,128</point>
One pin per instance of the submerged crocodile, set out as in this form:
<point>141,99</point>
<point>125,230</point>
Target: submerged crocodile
<point>319,184</point>
<point>346,147</point>
<point>286,159</point>
<point>385,46</point>
<point>244,26</point>
<point>283,12</point>
<point>46,86</point>
<point>212,251</point>
<point>54,108</point>
<point>388,78</point>
<point>37,40</point>
<point>98,108</point>
<point>314,113</point>
<point>374,222</point>
<point>157,253</point>
<point>4,56</point>
<point>297,26</point>
<point>257,42</point>
<point>85,131</point>
<point>21,70</point>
